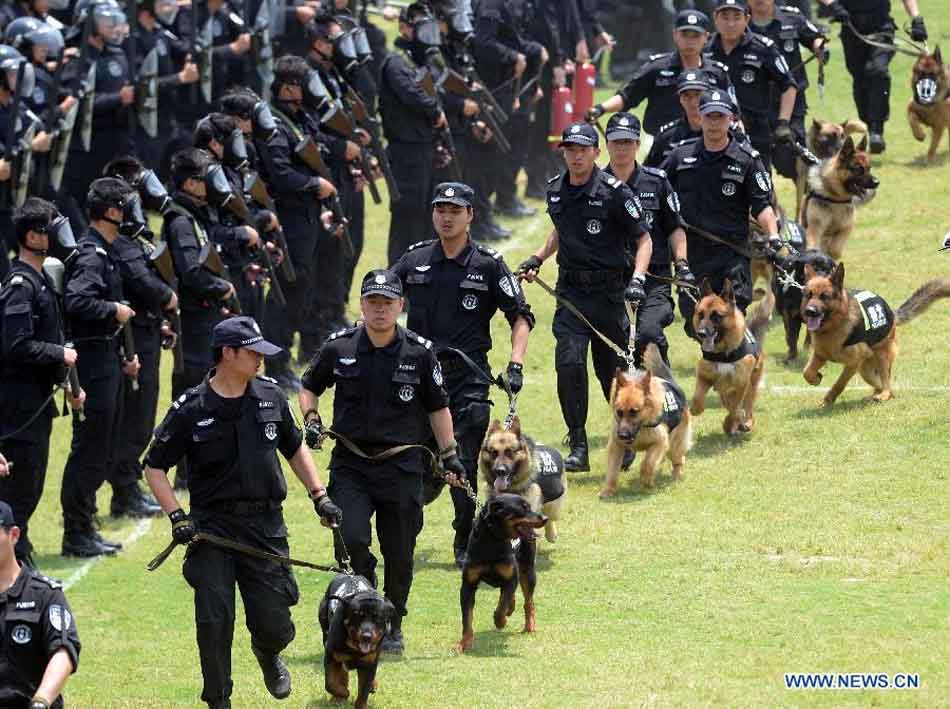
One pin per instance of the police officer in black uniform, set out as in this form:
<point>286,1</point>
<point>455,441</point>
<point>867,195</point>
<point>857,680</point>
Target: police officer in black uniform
<point>33,358</point>
<point>656,81</point>
<point>95,311</point>
<point>389,395</point>
<point>455,286</point>
<point>689,88</point>
<point>755,63</point>
<point>231,427</point>
<point>790,30</point>
<point>868,64</point>
<point>599,227</point>
<point>721,181</point>
<point>410,117</point>
<point>40,648</point>
<point>661,208</point>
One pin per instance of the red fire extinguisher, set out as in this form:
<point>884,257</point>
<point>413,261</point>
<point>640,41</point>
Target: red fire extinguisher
<point>585,78</point>
<point>562,114</point>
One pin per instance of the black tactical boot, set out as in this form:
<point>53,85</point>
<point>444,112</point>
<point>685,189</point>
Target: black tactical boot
<point>576,461</point>
<point>85,544</point>
<point>220,704</point>
<point>392,643</point>
<point>877,144</point>
<point>276,674</point>
<point>132,502</point>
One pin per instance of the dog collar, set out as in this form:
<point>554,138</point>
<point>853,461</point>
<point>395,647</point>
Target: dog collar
<point>824,198</point>
<point>748,345</point>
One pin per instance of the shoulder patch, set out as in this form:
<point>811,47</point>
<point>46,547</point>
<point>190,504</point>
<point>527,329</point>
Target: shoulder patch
<point>488,250</point>
<point>420,244</point>
<point>721,65</point>
<point>790,8</point>
<point>265,378</point>
<point>341,333</point>
<point>654,171</point>
<point>767,41</point>
<point>554,179</point>
<point>419,339</point>
<point>52,583</point>
<point>654,57</point>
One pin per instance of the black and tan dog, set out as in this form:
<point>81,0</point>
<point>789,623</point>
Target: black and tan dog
<point>836,187</point>
<point>511,462</point>
<point>649,414</point>
<point>858,329</point>
<point>354,617</point>
<point>490,558</point>
<point>733,361</point>
<point>788,295</point>
<point>930,103</point>
<point>824,139</point>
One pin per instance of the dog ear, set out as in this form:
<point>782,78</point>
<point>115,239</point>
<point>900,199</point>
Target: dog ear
<point>728,294</point>
<point>862,147</point>
<point>621,376</point>
<point>816,125</point>
<point>645,381</point>
<point>707,287</point>
<point>937,57</point>
<point>837,277</point>
<point>847,149</point>
<point>495,426</point>
<point>516,426</point>
<point>810,272</point>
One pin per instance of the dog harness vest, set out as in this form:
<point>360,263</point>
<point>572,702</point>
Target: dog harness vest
<point>674,404</point>
<point>748,346</point>
<point>548,471</point>
<point>876,321</point>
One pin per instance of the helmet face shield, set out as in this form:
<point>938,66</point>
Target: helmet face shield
<point>133,218</point>
<point>154,195</point>
<point>219,189</point>
<point>361,42</point>
<point>110,23</point>
<point>235,150</point>
<point>166,11</point>
<point>264,124</point>
<point>315,94</point>
<point>427,31</point>
<point>62,242</point>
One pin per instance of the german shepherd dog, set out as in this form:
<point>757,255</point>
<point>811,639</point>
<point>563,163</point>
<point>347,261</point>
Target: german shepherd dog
<point>511,462</point>
<point>354,618</point>
<point>857,329</point>
<point>733,360</point>
<point>650,414</point>
<point>930,105</point>
<point>837,185</point>
<point>490,558</point>
<point>788,297</point>
<point>824,139</point>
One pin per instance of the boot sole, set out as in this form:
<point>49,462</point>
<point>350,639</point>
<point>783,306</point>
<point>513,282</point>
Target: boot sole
<point>80,555</point>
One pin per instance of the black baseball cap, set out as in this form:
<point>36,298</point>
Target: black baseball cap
<point>692,80</point>
<point>381,281</point>
<point>734,4</point>
<point>242,331</point>
<point>454,193</point>
<point>715,101</point>
<point>623,126</point>
<point>691,20</point>
<point>6,515</point>
<point>581,133</point>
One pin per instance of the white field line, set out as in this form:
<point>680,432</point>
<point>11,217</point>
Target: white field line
<point>140,529</point>
<point>780,389</point>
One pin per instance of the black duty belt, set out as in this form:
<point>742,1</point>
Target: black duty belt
<point>243,507</point>
<point>589,278</point>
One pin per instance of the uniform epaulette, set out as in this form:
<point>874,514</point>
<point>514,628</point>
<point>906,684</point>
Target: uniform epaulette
<point>653,171</point>
<point>767,41</point>
<point>747,148</point>
<point>186,395</point>
<point>790,8</point>
<point>721,65</point>
<point>420,244</point>
<point>420,339</point>
<point>666,126</point>
<point>654,57</point>
<point>611,180</point>
<point>265,378</point>
<point>52,583</point>
<point>101,251</point>
<point>557,176</point>
<point>488,250</point>
<point>344,331</point>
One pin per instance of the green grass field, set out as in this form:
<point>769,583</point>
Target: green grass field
<point>818,544</point>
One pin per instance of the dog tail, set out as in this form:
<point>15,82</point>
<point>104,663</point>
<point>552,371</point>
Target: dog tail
<point>653,363</point>
<point>853,126</point>
<point>922,298</point>
<point>760,317</point>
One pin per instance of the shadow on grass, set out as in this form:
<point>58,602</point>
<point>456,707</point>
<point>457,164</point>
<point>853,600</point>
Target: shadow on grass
<point>630,489</point>
<point>920,162</point>
<point>494,643</point>
<point>716,443</point>
<point>815,411</point>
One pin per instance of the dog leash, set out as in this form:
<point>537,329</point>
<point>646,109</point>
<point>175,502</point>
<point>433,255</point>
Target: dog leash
<point>712,237</point>
<point>246,549</point>
<point>626,356</point>
<point>867,39</point>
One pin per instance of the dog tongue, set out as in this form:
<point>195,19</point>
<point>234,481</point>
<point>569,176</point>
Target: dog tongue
<point>709,343</point>
<point>813,322</point>
<point>501,484</point>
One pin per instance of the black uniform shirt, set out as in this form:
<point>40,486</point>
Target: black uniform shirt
<point>670,136</point>
<point>753,64</point>
<point>791,30</point>
<point>31,349</point>
<point>384,395</point>
<point>453,300</point>
<point>35,623</point>
<point>656,82</point>
<point>408,113</point>
<point>661,209</point>
<point>147,293</point>
<point>93,287</point>
<point>597,223</point>
<point>717,191</point>
<point>232,453</point>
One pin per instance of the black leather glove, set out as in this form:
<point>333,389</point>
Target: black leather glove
<point>515,376</point>
<point>783,132</point>
<point>838,12</point>
<point>823,53</point>
<point>634,291</point>
<point>327,509</point>
<point>594,113</point>
<point>683,274</point>
<point>532,263</point>
<point>918,30</point>
<point>452,464</point>
<point>313,433</point>
<point>184,528</point>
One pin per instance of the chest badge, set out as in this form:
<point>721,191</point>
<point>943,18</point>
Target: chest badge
<point>593,226</point>
<point>748,76</point>
<point>470,302</point>
<point>406,393</point>
<point>423,269</point>
<point>789,45</point>
<point>21,634</point>
<point>728,188</point>
<point>270,431</point>
<point>115,69</point>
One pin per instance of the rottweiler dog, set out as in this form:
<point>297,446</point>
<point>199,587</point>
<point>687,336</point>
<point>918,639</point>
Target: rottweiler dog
<point>490,558</point>
<point>930,104</point>
<point>354,617</point>
<point>857,329</point>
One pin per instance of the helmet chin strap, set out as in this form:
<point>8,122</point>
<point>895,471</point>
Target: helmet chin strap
<point>33,250</point>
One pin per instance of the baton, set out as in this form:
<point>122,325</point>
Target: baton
<point>74,389</point>
<point>128,344</point>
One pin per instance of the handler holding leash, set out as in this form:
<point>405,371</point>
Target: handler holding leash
<point>455,286</point>
<point>389,395</point>
<point>231,427</point>
<point>598,224</point>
